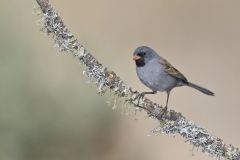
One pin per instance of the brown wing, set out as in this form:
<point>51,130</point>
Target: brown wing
<point>171,70</point>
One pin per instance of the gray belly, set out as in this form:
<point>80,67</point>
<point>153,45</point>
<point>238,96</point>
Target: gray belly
<point>156,78</point>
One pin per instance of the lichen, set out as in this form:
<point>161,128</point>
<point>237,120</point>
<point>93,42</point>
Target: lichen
<point>192,134</point>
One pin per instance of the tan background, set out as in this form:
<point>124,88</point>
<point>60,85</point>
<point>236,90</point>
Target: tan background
<point>49,112</point>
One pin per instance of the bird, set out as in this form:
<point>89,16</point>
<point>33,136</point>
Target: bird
<point>158,74</point>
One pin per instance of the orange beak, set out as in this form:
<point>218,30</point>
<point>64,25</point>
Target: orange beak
<point>136,57</point>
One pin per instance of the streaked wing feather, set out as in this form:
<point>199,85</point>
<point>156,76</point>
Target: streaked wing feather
<point>171,70</point>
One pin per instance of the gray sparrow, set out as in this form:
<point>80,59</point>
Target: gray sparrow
<point>159,75</point>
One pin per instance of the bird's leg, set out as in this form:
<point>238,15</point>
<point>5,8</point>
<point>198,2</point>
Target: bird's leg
<point>141,95</point>
<point>166,107</point>
<point>164,110</point>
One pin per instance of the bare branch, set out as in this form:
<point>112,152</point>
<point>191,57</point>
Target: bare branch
<point>170,123</point>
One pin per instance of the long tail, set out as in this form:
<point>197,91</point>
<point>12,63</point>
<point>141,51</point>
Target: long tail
<point>201,89</point>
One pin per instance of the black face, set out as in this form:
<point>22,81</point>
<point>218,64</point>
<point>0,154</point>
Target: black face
<point>140,62</point>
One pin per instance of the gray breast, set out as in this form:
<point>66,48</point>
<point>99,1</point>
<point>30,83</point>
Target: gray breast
<point>154,77</point>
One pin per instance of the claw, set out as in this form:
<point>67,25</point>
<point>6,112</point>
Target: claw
<point>139,96</point>
<point>161,114</point>
<point>165,109</point>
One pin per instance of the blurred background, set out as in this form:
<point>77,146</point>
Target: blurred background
<point>48,111</point>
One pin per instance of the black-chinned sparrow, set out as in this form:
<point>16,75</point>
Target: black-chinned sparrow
<point>158,74</point>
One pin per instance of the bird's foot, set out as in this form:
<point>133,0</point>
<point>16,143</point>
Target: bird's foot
<point>162,113</point>
<point>165,109</point>
<point>139,96</point>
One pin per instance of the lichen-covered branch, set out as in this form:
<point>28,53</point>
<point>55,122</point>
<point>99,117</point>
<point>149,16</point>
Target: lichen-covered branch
<point>170,123</point>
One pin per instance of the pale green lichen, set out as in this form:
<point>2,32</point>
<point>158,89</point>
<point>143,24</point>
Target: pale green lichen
<point>232,152</point>
<point>193,134</point>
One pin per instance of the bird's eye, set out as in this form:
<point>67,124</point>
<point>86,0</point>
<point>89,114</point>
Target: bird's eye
<point>141,54</point>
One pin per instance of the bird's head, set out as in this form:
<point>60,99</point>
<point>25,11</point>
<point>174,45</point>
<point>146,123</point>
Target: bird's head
<point>142,55</point>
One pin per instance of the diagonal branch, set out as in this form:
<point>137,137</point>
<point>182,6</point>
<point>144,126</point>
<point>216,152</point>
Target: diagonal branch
<point>170,123</point>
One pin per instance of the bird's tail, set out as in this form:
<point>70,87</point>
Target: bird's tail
<point>201,89</point>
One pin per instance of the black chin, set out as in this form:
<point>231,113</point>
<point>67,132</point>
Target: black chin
<point>140,62</point>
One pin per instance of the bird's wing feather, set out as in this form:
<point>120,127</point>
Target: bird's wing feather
<point>168,68</point>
